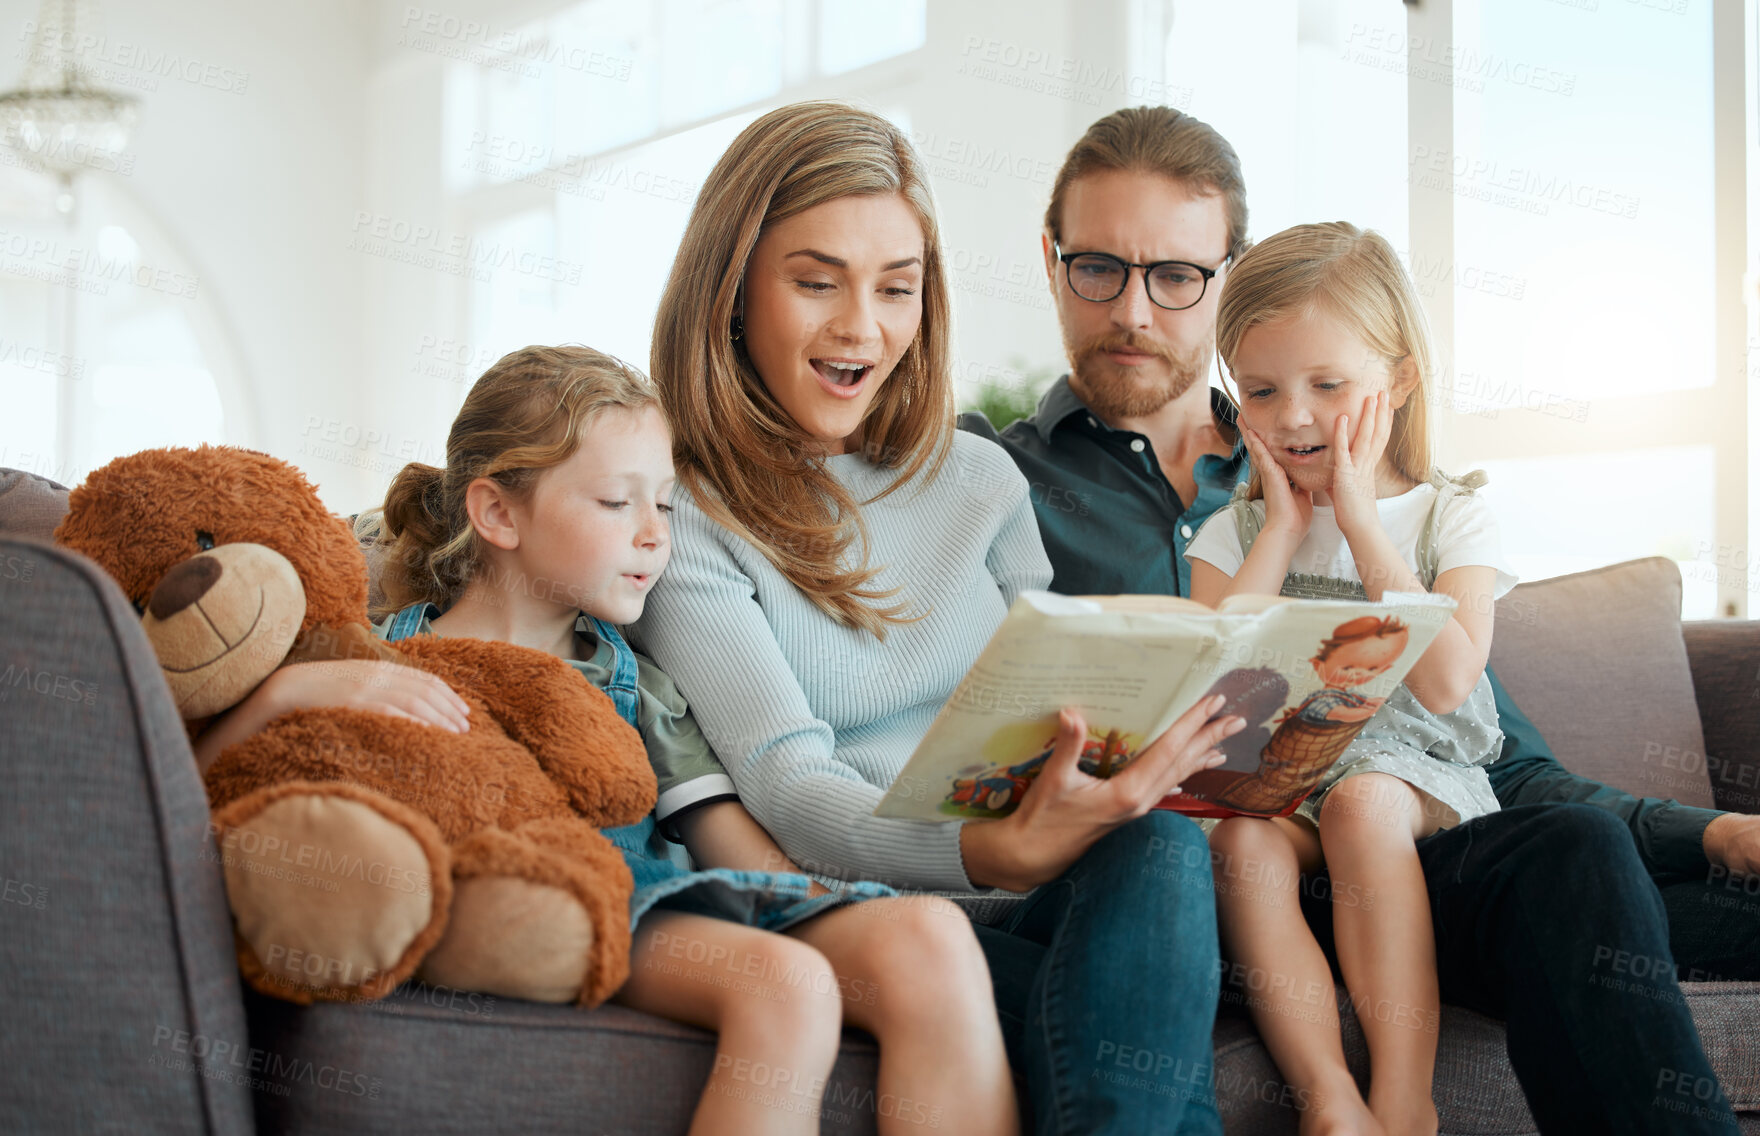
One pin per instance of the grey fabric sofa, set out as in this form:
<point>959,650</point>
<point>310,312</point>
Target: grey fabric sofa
<point>123,1010</point>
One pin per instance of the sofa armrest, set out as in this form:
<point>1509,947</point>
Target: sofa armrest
<point>116,953</point>
<point>1725,657</point>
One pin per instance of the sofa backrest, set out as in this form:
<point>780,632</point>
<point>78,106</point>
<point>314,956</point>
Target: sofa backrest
<point>121,990</point>
<point>30,505</point>
<point>1597,661</point>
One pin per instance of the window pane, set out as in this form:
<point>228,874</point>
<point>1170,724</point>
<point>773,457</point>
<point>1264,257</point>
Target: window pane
<point>626,229</point>
<point>498,123</point>
<point>1562,514</point>
<point>107,366</point>
<point>137,408</point>
<point>1583,196</point>
<point>1349,118</point>
<point>32,364</point>
<point>465,158</point>
<point>719,54</point>
<point>513,290</point>
<point>517,116</point>
<point>1321,127</point>
<point>610,97</point>
<point>855,33</point>
<point>27,429</point>
<point>151,385</point>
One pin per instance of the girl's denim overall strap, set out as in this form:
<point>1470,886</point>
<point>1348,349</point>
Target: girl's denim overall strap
<point>408,621</point>
<point>622,687</point>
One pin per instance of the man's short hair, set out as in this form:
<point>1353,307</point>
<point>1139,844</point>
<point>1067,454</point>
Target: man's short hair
<point>1158,140</point>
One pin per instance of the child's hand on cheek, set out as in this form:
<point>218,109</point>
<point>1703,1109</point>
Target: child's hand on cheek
<point>1357,447</point>
<point>1288,508</point>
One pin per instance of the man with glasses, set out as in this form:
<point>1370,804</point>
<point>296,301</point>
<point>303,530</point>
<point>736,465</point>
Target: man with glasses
<point>1131,452</point>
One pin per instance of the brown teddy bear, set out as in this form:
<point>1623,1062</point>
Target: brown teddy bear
<point>359,848</point>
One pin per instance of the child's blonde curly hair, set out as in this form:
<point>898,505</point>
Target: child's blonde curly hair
<point>525,415</point>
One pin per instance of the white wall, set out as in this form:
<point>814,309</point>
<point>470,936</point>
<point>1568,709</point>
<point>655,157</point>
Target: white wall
<point>994,116</point>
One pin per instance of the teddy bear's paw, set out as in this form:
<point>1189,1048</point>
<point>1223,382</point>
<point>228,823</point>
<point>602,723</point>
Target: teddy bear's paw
<point>546,918</point>
<point>336,892</point>
<point>513,937</point>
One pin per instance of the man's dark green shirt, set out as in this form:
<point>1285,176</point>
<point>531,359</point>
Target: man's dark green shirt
<point>1111,521</point>
<point>1113,525</point>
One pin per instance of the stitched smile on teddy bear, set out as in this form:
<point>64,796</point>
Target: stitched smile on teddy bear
<point>221,622</point>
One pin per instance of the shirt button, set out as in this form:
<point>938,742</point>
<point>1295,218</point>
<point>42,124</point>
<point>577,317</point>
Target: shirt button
<point>1137,445</point>
<point>1186,531</point>
<point>1093,423</point>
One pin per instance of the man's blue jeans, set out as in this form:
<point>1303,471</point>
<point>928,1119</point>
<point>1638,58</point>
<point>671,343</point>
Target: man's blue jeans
<point>1106,982</point>
<point>1714,927</point>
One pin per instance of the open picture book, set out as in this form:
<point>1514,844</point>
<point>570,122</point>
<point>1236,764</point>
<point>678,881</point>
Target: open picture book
<point>1305,674</point>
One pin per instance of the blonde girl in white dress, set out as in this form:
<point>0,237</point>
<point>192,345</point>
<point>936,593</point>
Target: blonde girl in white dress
<point>1322,333</point>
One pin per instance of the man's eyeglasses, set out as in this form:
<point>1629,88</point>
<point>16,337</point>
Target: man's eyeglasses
<point>1102,277</point>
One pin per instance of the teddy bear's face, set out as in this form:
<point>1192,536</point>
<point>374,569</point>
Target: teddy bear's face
<point>221,621</point>
<point>213,545</point>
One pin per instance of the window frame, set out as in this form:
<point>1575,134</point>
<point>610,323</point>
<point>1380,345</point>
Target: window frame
<point>1720,414</point>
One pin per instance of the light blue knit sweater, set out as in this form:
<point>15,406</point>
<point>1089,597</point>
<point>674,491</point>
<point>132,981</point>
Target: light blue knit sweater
<point>814,719</point>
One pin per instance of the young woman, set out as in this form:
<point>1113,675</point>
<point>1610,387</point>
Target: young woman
<point>843,556</point>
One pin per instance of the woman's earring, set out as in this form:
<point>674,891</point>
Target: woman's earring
<point>739,329</point>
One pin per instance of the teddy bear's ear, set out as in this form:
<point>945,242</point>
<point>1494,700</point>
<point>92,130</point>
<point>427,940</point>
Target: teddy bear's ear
<point>140,515</point>
<point>115,517</point>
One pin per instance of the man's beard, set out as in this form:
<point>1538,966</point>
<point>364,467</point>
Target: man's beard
<point>1114,392</point>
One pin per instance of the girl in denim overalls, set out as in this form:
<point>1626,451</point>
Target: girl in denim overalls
<point>1324,338</point>
<point>547,528</point>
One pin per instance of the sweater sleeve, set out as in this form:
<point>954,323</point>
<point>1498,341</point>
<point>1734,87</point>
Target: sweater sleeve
<point>706,627</point>
<point>1017,557</point>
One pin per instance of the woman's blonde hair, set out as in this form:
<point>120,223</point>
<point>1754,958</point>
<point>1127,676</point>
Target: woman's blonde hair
<point>526,414</point>
<point>1354,276</point>
<point>747,464</point>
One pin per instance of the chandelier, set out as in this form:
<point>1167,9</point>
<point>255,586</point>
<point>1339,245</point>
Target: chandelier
<point>57,116</point>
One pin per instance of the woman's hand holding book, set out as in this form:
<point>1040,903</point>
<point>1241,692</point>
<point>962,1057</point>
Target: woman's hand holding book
<point>1066,811</point>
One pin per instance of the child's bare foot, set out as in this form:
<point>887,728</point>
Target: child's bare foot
<point>1338,1112</point>
<point>1406,1117</point>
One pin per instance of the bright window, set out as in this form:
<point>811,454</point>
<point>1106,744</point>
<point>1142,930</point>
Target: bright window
<point>106,345</point>
<point>1582,171</point>
<point>594,158</point>
<point>1584,283</point>
<point>1549,172</point>
<point>1564,514</point>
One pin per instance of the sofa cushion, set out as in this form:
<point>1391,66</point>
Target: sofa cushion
<point>1728,1017</point>
<point>438,1061</point>
<point>1597,661</point>
<point>30,505</point>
